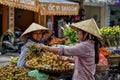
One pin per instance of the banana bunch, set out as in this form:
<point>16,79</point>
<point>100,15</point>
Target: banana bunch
<point>116,31</point>
<point>14,59</point>
<point>111,35</point>
<point>110,31</point>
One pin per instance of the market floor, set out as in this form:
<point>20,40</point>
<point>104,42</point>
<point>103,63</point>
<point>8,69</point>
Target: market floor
<point>5,59</point>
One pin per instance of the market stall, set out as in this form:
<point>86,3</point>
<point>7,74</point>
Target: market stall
<point>9,7</point>
<point>56,8</point>
<point>110,52</point>
<point>40,65</point>
<point>47,62</point>
<point>31,5</point>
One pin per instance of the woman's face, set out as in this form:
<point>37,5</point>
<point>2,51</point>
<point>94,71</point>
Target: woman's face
<point>37,35</point>
<point>80,34</point>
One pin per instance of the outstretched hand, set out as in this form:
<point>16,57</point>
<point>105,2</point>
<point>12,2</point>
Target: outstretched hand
<point>46,48</point>
<point>65,58</point>
<point>39,46</point>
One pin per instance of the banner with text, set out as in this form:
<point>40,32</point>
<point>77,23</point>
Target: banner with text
<point>59,9</point>
<point>22,4</point>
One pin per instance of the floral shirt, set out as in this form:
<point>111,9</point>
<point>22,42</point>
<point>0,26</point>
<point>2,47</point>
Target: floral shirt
<point>84,56</point>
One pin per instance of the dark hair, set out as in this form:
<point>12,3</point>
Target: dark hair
<point>98,45</point>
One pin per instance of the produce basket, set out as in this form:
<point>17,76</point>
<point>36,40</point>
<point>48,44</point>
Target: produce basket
<point>113,60</point>
<point>47,69</point>
<point>100,68</point>
<point>50,70</point>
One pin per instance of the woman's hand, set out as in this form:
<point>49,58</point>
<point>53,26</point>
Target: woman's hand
<point>46,48</point>
<point>39,46</point>
<point>63,58</point>
<point>71,60</point>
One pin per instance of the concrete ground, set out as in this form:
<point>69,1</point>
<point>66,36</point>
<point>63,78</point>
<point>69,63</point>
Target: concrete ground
<point>5,59</point>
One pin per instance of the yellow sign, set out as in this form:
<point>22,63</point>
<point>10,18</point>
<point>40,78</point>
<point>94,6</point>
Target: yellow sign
<point>0,0</point>
<point>58,9</point>
<point>26,2</point>
<point>23,4</point>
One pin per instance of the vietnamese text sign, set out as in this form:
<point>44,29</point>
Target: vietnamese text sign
<point>58,9</point>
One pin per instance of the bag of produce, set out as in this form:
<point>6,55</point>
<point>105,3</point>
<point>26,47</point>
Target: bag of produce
<point>38,75</point>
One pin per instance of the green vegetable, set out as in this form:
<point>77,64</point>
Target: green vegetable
<point>71,34</point>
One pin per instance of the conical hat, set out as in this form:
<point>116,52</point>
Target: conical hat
<point>89,26</point>
<point>34,27</point>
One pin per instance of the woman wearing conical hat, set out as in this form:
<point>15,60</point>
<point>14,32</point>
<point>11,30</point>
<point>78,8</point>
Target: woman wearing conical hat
<point>85,52</point>
<point>34,33</point>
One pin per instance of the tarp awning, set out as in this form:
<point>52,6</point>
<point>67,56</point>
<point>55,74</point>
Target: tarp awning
<point>31,5</point>
<point>58,7</point>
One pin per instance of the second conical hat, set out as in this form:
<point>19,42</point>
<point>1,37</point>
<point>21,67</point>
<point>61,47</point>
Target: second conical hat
<point>34,27</point>
<point>89,26</point>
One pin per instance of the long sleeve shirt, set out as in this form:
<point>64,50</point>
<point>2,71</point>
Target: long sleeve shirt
<point>84,56</point>
<point>24,50</point>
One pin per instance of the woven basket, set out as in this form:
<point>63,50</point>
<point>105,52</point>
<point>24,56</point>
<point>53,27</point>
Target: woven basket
<point>49,70</point>
<point>113,60</point>
<point>55,71</point>
<point>100,68</point>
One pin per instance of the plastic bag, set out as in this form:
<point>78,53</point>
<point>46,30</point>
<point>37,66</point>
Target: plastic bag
<point>103,60</point>
<point>38,75</point>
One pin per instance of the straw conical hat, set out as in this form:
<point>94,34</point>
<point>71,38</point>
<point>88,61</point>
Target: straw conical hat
<point>89,26</point>
<point>34,27</point>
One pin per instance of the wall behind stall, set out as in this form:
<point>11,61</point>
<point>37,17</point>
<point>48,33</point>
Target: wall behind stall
<point>93,12</point>
<point>23,18</point>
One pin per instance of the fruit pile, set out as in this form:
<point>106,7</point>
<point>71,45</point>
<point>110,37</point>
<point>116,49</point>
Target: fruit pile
<point>32,53</point>
<point>51,61</point>
<point>104,51</point>
<point>33,63</point>
<point>111,35</point>
<point>11,72</point>
<point>110,31</point>
<point>45,60</point>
